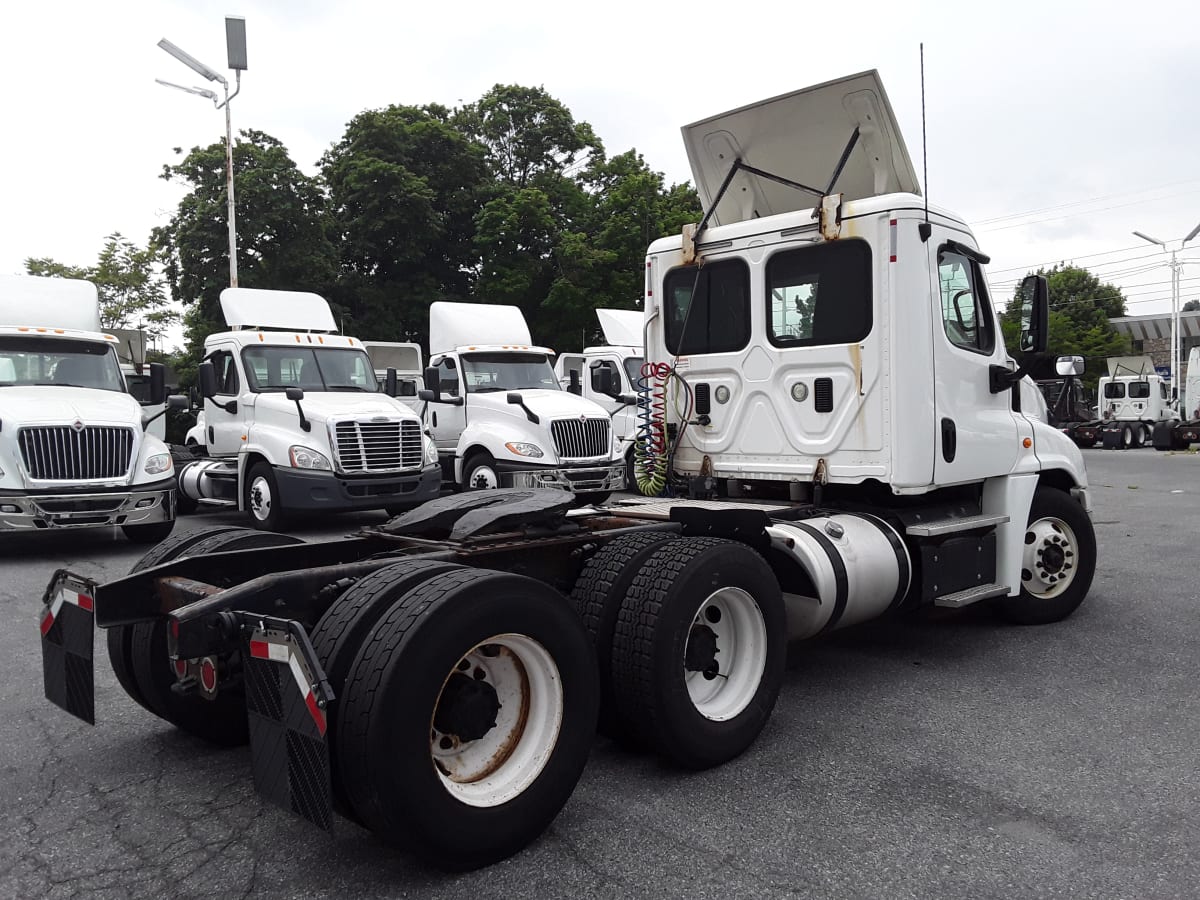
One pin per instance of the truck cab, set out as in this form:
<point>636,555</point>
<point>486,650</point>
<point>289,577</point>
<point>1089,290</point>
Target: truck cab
<point>74,446</point>
<point>1133,399</point>
<point>405,359</point>
<point>295,421</point>
<point>499,415</point>
<point>621,356</point>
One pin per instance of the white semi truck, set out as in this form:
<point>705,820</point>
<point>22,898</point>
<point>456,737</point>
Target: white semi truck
<point>1180,433</point>
<point>295,422</point>
<point>1134,399</point>
<point>500,417</point>
<point>847,434</point>
<point>74,445</point>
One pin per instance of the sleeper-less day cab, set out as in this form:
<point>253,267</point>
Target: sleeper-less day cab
<point>76,449</point>
<point>829,401</point>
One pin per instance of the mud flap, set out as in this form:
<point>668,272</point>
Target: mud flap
<point>286,700</point>
<point>68,625</point>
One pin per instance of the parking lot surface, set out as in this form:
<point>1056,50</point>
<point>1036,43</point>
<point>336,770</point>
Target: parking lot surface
<point>947,757</point>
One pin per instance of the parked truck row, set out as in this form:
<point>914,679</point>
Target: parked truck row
<point>827,394</point>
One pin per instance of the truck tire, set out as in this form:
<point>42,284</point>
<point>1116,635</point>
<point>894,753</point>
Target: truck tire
<point>220,721</point>
<point>597,597</point>
<point>150,533</point>
<point>1059,561</point>
<point>118,638</point>
<point>1111,438</point>
<point>479,472</point>
<point>181,457</point>
<point>504,671</point>
<point>263,503</point>
<point>1135,436</point>
<point>699,608</point>
<point>340,633</point>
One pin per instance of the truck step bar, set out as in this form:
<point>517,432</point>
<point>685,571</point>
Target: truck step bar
<point>959,599</point>
<point>939,527</point>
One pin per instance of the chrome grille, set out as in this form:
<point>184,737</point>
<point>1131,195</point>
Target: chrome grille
<point>60,453</point>
<point>389,446</point>
<point>580,438</point>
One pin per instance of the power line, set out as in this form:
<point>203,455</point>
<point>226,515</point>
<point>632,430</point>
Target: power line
<point>1089,212</point>
<point>1031,212</point>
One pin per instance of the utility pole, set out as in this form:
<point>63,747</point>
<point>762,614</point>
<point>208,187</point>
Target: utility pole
<point>235,43</point>
<point>1175,265</point>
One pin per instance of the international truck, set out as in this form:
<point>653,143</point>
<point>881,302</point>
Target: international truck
<point>846,446</point>
<point>500,417</point>
<point>622,357</point>
<point>294,421</point>
<point>1181,433</point>
<point>1134,399</point>
<point>74,446</point>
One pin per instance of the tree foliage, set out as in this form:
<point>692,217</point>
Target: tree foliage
<point>1192,306</point>
<point>1080,308</point>
<point>132,294</point>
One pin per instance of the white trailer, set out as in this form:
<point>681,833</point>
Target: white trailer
<point>294,420</point>
<point>849,437</point>
<point>75,449</point>
<point>500,417</point>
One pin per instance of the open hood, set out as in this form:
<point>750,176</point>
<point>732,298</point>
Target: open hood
<point>403,357</point>
<point>621,327</point>
<point>1130,365</point>
<point>801,137</point>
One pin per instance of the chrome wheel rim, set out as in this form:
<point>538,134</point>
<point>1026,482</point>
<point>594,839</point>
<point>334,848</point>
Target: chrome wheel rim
<point>1050,559</point>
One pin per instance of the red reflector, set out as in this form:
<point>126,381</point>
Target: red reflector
<point>260,649</point>
<point>47,622</point>
<point>85,602</point>
<point>180,668</point>
<point>175,628</point>
<point>317,713</point>
<point>208,675</point>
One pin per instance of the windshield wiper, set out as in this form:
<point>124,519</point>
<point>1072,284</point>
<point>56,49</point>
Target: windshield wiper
<point>488,390</point>
<point>349,387</point>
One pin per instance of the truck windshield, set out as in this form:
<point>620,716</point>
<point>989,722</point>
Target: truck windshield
<point>58,361</point>
<point>508,372</point>
<point>311,368</point>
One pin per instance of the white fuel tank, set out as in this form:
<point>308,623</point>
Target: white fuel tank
<point>839,570</point>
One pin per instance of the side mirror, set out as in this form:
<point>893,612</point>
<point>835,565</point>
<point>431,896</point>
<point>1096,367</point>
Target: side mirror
<point>433,378</point>
<point>514,398</point>
<point>1035,313</point>
<point>573,385</point>
<point>389,383</point>
<point>603,381</point>
<point>294,394</point>
<point>158,384</point>
<point>177,401</point>
<point>1069,365</point>
<point>208,380</point>
<point>425,395</point>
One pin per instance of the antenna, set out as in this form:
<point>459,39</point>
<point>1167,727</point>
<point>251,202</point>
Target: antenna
<point>924,229</point>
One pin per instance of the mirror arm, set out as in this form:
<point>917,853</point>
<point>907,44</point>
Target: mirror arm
<point>1001,379</point>
<point>146,422</point>
<point>305,425</point>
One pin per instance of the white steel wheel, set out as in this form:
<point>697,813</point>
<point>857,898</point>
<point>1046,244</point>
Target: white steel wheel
<point>260,498</point>
<point>481,475</point>
<point>724,658</point>
<point>1126,437</point>
<point>1050,559</point>
<point>497,720</point>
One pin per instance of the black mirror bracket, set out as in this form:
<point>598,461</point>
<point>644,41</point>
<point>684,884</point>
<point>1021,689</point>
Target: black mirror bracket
<point>517,400</point>
<point>1001,378</point>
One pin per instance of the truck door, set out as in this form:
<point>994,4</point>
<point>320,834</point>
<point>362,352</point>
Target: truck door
<point>446,421</point>
<point>976,430</point>
<point>224,414</point>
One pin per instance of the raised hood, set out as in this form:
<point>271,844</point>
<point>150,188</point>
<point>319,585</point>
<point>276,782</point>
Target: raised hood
<point>403,357</point>
<point>801,137</point>
<point>1130,365</point>
<point>621,327</point>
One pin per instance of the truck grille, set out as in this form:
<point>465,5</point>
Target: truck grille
<point>580,438</point>
<point>379,446</point>
<point>60,453</point>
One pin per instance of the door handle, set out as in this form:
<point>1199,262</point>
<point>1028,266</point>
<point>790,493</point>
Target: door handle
<point>949,440</point>
<point>433,419</point>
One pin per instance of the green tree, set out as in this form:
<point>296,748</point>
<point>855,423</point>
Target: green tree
<point>1080,308</point>
<point>1192,306</point>
<point>283,231</point>
<point>404,187</point>
<point>132,294</point>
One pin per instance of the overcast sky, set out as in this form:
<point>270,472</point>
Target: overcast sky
<point>1055,128</point>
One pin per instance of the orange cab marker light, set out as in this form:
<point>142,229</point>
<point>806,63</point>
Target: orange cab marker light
<point>1027,443</point>
<point>297,338</point>
<point>260,337</point>
<point>59,331</point>
<point>22,328</point>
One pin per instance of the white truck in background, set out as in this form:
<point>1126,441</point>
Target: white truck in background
<point>1181,433</point>
<point>622,357</point>
<point>1134,400</point>
<point>74,445</point>
<point>295,421</point>
<point>131,351</point>
<point>498,414</point>
<point>403,357</point>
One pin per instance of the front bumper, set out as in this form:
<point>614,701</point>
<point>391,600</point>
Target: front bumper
<point>138,505</point>
<point>589,479</point>
<point>304,490</point>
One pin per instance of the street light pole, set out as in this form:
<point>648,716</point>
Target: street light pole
<point>235,41</point>
<point>1175,265</point>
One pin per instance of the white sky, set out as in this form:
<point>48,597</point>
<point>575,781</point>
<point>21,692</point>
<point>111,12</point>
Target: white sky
<point>1031,105</point>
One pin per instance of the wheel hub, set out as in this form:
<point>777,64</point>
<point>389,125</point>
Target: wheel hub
<point>702,650</point>
<point>468,708</point>
<point>1049,561</point>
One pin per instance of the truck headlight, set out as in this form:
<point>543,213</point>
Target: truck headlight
<point>157,464</point>
<point>522,449</point>
<point>431,454</point>
<point>305,458</point>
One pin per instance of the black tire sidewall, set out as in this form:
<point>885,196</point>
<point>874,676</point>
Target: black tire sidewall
<point>478,459</point>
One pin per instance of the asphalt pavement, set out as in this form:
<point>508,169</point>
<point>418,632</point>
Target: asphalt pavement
<point>952,757</point>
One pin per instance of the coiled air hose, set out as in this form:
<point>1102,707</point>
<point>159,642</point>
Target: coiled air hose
<point>650,453</point>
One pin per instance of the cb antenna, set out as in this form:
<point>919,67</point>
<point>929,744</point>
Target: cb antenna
<point>924,229</point>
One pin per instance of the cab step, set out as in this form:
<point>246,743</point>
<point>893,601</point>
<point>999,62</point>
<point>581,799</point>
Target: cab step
<point>939,527</point>
<point>959,599</point>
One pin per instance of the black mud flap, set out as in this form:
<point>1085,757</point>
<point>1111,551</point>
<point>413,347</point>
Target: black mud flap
<point>479,512</point>
<point>68,625</point>
<point>287,698</point>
